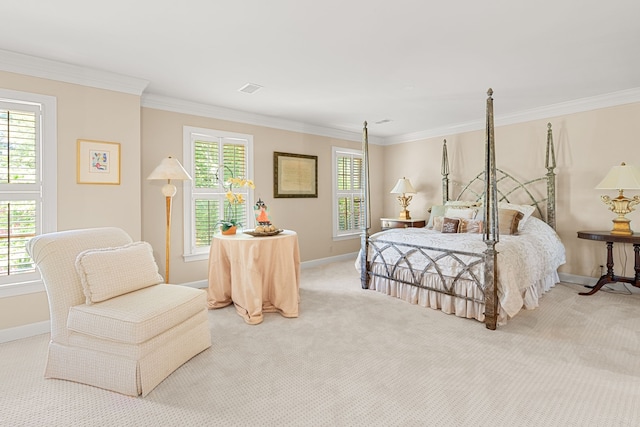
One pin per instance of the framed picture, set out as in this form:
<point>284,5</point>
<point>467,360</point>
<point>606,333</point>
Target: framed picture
<point>295,175</point>
<point>98,162</point>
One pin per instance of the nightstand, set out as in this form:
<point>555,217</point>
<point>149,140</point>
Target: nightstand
<point>387,223</point>
<point>610,277</point>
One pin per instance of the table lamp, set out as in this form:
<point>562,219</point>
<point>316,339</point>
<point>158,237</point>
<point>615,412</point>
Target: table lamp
<point>404,187</point>
<point>169,169</point>
<point>621,178</point>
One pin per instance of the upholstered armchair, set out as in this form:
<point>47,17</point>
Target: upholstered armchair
<point>114,323</point>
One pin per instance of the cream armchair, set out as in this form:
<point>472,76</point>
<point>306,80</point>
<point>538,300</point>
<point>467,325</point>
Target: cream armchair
<point>114,324</point>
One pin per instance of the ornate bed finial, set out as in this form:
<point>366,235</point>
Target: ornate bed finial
<point>364,124</point>
<point>490,92</point>
<point>550,162</point>
<point>444,170</point>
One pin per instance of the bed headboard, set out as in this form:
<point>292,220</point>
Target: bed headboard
<point>510,189</point>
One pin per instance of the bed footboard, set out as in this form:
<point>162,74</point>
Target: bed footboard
<point>435,269</point>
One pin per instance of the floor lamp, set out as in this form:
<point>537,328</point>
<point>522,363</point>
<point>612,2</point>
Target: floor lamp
<point>169,169</point>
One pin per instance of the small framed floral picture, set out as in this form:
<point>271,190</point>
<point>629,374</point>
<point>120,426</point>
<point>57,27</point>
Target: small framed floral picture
<point>98,162</point>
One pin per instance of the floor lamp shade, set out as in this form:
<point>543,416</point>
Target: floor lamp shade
<point>168,169</point>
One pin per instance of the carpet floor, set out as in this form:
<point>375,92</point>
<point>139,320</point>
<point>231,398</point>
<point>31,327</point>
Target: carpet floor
<point>356,358</point>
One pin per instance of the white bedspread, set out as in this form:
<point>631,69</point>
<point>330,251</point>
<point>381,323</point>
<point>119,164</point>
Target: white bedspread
<point>524,260</point>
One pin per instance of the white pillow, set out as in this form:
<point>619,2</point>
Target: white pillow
<point>436,210</point>
<point>526,210</point>
<point>455,212</point>
<point>110,272</point>
<point>462,203</point>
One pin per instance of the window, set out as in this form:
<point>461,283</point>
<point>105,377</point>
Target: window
<point>212,157</point>
<point>348,201</point>
<point>27,184</point>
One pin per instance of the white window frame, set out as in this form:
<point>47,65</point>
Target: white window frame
<point>189,135</point>
<point>339,234</point>
<point>47,170</point>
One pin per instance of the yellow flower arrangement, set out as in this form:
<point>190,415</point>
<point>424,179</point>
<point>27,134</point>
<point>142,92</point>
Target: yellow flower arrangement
<point>234,200</point>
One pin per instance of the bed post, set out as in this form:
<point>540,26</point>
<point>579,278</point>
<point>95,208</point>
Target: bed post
<point>366,221</point>
<point>550,164</point>
<point>444,170</point>
<point>491,234</point>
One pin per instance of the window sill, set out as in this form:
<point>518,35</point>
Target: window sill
<point>356,235</point>
<point>23,288</point>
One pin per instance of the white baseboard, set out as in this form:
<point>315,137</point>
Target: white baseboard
<point>578,280</point>
<point>202,284</point>
<point>198,284</point>
<point>25,331</point>
<point>323,261</point>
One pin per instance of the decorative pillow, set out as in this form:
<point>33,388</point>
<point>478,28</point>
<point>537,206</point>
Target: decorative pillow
<point>455,212</point>
<point>470,226</point>
<point>509,220</point>
<point>526,210</point>
<point>436,210</point>
<point>110,272</point>
<point>450,225</point>
<point>437,222</point>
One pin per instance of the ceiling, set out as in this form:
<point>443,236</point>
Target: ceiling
<point>404,66</point>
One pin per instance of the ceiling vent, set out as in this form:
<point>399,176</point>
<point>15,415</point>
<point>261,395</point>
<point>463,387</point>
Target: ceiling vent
<point>250,88</point>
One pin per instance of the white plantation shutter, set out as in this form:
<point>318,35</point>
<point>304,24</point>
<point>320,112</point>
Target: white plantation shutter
<point>205,181</point>
<point>348,192</point>
<point>212,157</point>
<point>21,184</point>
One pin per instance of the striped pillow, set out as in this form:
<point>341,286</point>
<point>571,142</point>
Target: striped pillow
<point>508,220</point>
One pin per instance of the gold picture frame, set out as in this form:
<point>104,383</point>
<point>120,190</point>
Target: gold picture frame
<point>98,162</point>
<point>294,175</point>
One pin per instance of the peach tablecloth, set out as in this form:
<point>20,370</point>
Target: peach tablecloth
<point>257,274</point>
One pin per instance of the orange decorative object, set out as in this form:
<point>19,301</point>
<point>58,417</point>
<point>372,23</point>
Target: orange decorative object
<point>230,231</point>
<point>261,211</point>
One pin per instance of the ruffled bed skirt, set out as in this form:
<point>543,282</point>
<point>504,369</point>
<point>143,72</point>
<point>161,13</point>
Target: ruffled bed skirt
<point>467,301</point>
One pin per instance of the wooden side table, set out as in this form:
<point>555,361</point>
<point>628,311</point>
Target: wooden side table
<point>387,223</point>
<point>610,277</point>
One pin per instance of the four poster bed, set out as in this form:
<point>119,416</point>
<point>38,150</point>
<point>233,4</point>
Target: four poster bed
<point>484,258</point>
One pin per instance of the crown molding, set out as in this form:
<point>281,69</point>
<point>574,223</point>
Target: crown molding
<point>612,99</point>
<point>48,69</point>
<point>175,105</point>
<point>19,63</point>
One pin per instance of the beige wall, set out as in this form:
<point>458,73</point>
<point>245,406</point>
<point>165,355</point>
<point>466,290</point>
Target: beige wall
<point>311,218</point>
<point>86,113</point>
<point>587,145</point>
<point>136,205</point>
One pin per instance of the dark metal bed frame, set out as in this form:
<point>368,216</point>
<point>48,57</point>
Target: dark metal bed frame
<point>492,181</point>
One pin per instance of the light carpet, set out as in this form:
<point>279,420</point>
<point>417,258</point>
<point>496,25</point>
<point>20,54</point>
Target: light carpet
<point>357,357</point>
